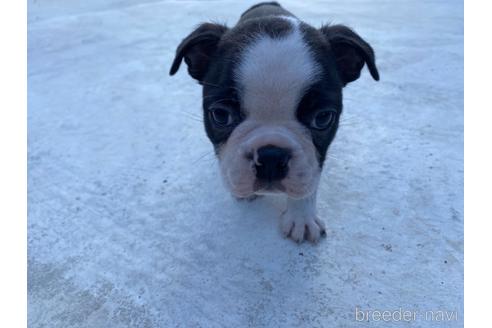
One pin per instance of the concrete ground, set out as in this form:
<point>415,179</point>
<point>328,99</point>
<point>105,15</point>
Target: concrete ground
<point>130,226</point>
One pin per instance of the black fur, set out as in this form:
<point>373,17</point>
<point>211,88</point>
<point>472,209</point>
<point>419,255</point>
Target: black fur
<point>350,51</point>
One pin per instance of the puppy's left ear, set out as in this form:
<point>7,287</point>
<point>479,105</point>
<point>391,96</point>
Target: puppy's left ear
<point>197,49</point>
<point>351,52</point>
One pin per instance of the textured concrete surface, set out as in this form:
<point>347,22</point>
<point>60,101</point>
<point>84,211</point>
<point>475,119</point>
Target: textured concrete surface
<point>129,225</point>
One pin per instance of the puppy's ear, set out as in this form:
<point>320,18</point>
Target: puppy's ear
<point>351,52</point>
<point>197,49</point>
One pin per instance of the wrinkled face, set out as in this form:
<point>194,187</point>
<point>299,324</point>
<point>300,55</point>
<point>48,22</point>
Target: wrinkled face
<point>272,100</point>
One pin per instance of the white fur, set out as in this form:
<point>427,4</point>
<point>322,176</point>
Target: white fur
<point>300,220</point>
<point>273,75</point>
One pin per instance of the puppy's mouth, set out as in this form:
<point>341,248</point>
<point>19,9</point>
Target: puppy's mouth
<point>268,187</point>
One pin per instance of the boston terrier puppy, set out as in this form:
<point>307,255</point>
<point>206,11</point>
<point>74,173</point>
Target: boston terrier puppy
<point>272,100</point>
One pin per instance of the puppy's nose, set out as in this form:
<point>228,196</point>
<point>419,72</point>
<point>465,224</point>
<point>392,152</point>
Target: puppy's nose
<point>271,163</point>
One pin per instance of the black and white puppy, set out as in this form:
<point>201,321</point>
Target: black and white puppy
<point>272,100</point>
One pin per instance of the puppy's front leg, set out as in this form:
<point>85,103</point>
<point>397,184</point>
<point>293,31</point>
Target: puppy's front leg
<point>300,221</point>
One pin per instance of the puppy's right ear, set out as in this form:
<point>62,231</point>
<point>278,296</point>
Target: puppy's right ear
<point>197,49</point>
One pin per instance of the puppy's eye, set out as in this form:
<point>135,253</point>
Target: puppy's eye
<point>221,116</point>
<point>323,119</point>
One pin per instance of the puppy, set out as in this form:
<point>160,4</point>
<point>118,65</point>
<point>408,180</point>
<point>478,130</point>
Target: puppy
<point>272,100</point>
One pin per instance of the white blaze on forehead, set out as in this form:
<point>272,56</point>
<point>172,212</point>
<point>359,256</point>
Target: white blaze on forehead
<point>273,74</point>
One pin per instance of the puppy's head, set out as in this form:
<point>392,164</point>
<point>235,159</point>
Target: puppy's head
<point>272,97</point>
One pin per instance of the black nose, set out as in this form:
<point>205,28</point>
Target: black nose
<point>272,163</point>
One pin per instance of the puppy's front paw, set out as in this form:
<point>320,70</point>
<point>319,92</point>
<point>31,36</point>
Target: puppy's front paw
<point>300,227</point>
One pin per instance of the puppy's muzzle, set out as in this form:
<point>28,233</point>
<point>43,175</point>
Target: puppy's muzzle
<point>271,163</point>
